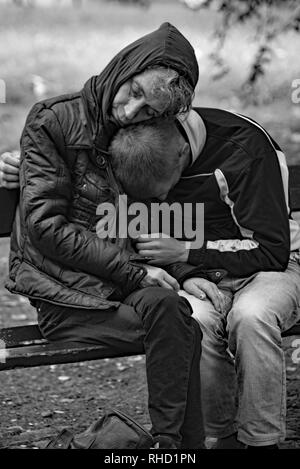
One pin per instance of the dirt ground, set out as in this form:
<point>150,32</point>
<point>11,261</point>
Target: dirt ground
<point>36,403</point>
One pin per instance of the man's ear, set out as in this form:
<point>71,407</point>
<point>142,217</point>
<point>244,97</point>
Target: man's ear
<point>185,153</point>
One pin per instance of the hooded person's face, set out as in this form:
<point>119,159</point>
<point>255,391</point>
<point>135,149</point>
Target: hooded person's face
<point>110,98</point>
<point>137,99</point>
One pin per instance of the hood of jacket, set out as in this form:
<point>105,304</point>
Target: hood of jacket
<point>195,131</point>
<point>165,47</point>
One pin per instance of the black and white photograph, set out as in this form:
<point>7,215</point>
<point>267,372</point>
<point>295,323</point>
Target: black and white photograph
<point>150,227</point>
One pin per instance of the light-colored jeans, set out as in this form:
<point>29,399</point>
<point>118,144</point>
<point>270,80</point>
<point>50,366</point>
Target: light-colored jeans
<point>242,365</point>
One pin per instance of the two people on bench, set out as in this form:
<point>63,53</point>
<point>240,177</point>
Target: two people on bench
<point>131,137</point>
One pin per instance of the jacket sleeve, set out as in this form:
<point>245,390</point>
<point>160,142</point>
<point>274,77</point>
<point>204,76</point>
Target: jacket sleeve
<point>182,271</point>
<point>256,200</point>
<point>46,194</point>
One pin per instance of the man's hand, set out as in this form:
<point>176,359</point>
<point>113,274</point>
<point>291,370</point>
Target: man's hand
<point>161,249</point>
<point>9,170</point>
<point>156,276</point>
<point>202,288</point>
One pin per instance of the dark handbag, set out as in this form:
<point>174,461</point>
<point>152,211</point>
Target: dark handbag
<point>115,430</point>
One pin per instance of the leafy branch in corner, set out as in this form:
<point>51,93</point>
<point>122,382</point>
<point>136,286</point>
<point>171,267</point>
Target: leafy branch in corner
<point>270,18</point>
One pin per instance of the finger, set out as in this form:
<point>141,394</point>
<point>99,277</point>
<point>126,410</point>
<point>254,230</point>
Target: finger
<point>155,262</point>
<point>9,185</point>
<point>11,177</point>
<point>212,293</point>
<point>193,290</point>
<point>150,245</point>
<point>171,281</point>
<point>9,158</point>
<point>8,169</point>
<point>215,299</point>
<point>164,284</point>
<point>199,294</point>
<point>147,237</point>
<point>149,253</point>
<point>144,238</point>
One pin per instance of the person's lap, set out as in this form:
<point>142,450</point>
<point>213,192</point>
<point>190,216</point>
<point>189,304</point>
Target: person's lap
<point>264,305</point>
<point>118,328</point>
<point>275,296</point>
<point>272,291</point>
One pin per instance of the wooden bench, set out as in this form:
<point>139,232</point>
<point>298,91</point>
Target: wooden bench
<point>24,346</point>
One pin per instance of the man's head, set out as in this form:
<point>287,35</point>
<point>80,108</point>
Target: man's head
<point>148,158</point>
<point>155,92</point>
<point>156,75</point>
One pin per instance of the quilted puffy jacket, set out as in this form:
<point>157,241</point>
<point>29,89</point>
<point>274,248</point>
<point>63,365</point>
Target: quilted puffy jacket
<point>56,254</point>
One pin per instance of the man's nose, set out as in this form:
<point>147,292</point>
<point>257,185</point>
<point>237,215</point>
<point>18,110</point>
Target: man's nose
<point>132,108</point>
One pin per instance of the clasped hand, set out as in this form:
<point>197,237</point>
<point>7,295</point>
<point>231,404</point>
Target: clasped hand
<point>161,249</point>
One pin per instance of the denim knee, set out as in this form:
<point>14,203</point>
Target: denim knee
<point>250,314</point>
<point>249,319</point>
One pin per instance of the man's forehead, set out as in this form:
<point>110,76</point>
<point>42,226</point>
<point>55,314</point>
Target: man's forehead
<point>152,83</point>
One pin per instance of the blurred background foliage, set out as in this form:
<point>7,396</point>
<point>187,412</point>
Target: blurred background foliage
<point>248,53</point>
<point>270,19</point>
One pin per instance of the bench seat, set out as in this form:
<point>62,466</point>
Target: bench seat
<point>25,348</point>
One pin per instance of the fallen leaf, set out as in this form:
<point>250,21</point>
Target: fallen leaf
<point>47,413</point>
<point>15,430</point>
<point>121,367</point>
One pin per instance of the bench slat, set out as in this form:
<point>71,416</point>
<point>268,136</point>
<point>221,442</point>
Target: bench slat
<point>21,335</point>
<point>57,353</point>
<point>46,353</point>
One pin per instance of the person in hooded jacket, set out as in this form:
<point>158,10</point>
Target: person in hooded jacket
<point>91,290</point>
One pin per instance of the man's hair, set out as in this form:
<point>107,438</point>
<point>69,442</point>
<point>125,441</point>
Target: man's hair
<point>144,154</point>
<point>174,90</point>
